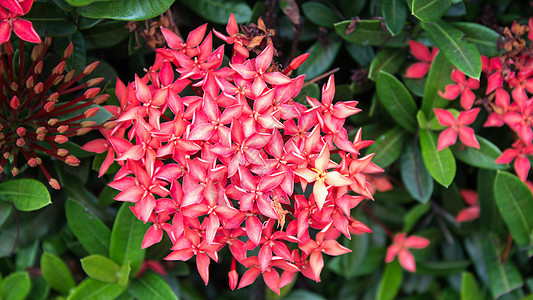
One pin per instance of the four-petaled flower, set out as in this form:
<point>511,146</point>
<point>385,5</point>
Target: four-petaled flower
<point>421,52</point>
<point>457,126</point>
<point>400,246</point>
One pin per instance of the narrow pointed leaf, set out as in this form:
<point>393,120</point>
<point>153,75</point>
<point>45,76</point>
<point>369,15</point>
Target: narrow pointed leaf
<point>25,194</point>
<point>413,215</point>
<point>127,10</point>
<point>92,233</point>
<point>390,282</point>
<point>369,33</point>
<point>94,289</point>
<point>320,60</point>
<point>483,157</point>
<point>151,286</point>
<point>485,38</point>
<point>502,278</point>
<point>56,273</point>
<point>397,100</point>
<point>387,147</point>
<point>388,60</point>
<point>490,218</point>
<point>100,268</point>
<point>438,78</point>
<point>460,53</point>
<point>430,10</point>
<point>469,287</point>
<point>440,164</point>
<point>415,175</point>
<point>515,203</point>
<point>395,14</point>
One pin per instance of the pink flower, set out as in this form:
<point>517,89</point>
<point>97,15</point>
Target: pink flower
<point>471,212</point>
<point>457,126</point>
<point>400,246</point>
<point>462,87</point>
<point>421,52</point>
<point>9,19</point>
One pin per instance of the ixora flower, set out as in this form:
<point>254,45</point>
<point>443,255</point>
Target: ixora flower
<point>400,246</point>
<point>41,112</point>
<point>219,168</point>
<point>10,11</point>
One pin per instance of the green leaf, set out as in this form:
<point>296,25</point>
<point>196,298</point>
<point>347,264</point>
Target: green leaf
<point>390,282</point>
<point>502,278</point>
<point>352,8</point>
<point>469,287</point>
<point>430,10</point>
<point>414,214</point>
<point>483,157</point>
<point>96,290</point>
<point>126,10</point>
<point>151,286</point>
<point>438,78</point>
<point>126,239</point>
<point>440,164</point>
<point>56,273</point>
<point>320,14</point>
<point>27,256</point>
<point>16,286</point>
<point>485,38</point>
<point>83,2</point>
<point>369,33</point>
<point>39,289</point>
<point>123,275</point>
<point>100,268</point>
<point>25,194</point>
<point>460,53</point>
<point>490,218</point>
<point>77,61</point>
<point>320,59</point>
<point>443,268</point>
<point>415,175</point>
<point>5,212</point>
<point>218,11</point>
<point>303,294</point>
<point>352,262</point>
<point>387,147</point>
<point>415,85</point>
<point>363,55</point>
<point>395,14</point>
<point>515,203</point>
<point>50,20</point>
<point>88,229</point>
<point>105,34</point>
<point>388,60</point>
<point>397,100</point>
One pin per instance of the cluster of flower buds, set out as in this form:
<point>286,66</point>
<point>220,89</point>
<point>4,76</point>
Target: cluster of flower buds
<point>231,164</point>
<point>40,112</point>
<point>10,11</point>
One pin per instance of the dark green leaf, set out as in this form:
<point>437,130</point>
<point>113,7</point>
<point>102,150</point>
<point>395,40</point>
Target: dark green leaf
<point>396,99</point>
<point>416,86</point>
<point>88,229</point>
<point>485,38</point>
<point>320,14</point>
<point>320,59</point>
<point>86,23</point>
<point>27,256</point>
<point>126,10</point>
<point>303,294</point>
<point>460,53</point>
<point>387,147</point>
<point>75,149</point>
<point>56,273</point>
<point>469,287</point>
<point>83,2</point>
<point>25,194</point>
<point>490,218</point>
<point>218,11</point>
<point>502,278</point>
<point>96,290</point>
<point>100,268</point>
<point>126,239</point>
<point>352,8</point>
<point>440,164</point>
<point>151,286</point>
<point>515,203</point>
<point>5,212</point>
<point>395,14</point>
<point>388,60</point>
<point>363,55</point>
<point>50,20</point>
<point>77,60</point>
<point>442,268</point>
<point>351,262</point>
<point>438,78</point>
<point>414,214</point>
<point>390,282</point>
<point>39,289</point>
<point>16,286</point>
<point>430,10</point>
<point>369,33</point>
<point>483,157</point>
<point>105,34</point>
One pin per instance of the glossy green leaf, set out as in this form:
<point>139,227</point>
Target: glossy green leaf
<point>390,282</point>
<point>151,286</point>
<point>50,20</point>
<point>352,8</point>
<point>415,86</point>
<point>363,55</point>
<point>56,273</point>
<point>320,14</point>
<point>88,229</point>
<point>86,23</point>
<point>218,11</point>
<point>100,268</point>
<point>387,147</point>
<point>25,194</point>
<point>438,78</point>
<point>83,2</point>
<point>515,203</point>
<point>126,239</point>
<point>460,53</point>
<point>440,164</point>
<point>469,287</point>
<point>123,275</point>
<point>299,294</point>
<point>502,278</point>
<point>442,268</point>
<point>105,34</point>
<point>485,38</point>
<point>16,286</point>
<point>414,214</point>
<point>27,256</point>
<point>77,61</point>
<point>369,33</point>
<point>320,59</point>
<point>388,60</point>
<point>397,100</point>
<point>126,10</point>
<point>490,218</point>
<point>483,157</point>
<point>352,262</point>
<point>430,10</point>
<point>395,14</point>
<point>96,290</point>
<point>39,289</point>
<point>5,212</point>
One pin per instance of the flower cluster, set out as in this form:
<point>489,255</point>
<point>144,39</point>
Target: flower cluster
<point>10,11</point>
<point>38,112</point>
<point>220,168</point>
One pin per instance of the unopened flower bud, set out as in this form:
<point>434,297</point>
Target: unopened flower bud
<point>100,99</point>
<point>41,136</point>
<point>62,152</point>
<point>7,155</point>
<point>59,68</point>
<point>68,51</point>
<point>20,142</point>
<point>32,162</point>
<point>62,128</point>
<point>39,160</point>
<point>71,160</point>
<point>1,126</point>
<point>110,124</point>
<point>2,136</point>
<point>86,124</point>
<point>14,86</point>
<point>14,103</point>
<point>94,81</point>
<point>48,41</point>
<point>60,139</point>
<point>91,93</point>
<point>91,112</point>
<point>83,131</point>
<point>38,88</point>
<point>41,129</point>
<point>53,97</point>
<point>34,53</point>
<point>54,184</point>
<point>30,82</point>
<point>49,106</point>
<point>14,171</point>
<point>21,131</point>
<point>88,69</point>
<point>38,68</point>
<point>69,76</point>
<point>52,121</point>
<point>58,80</point>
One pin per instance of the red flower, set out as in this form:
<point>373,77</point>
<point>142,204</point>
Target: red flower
<point>462,87</point>
<point>471,212</point>
<point>457,126</point>
<point>421,52</point>
<point>9,19</point>
<point>400,246</point>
